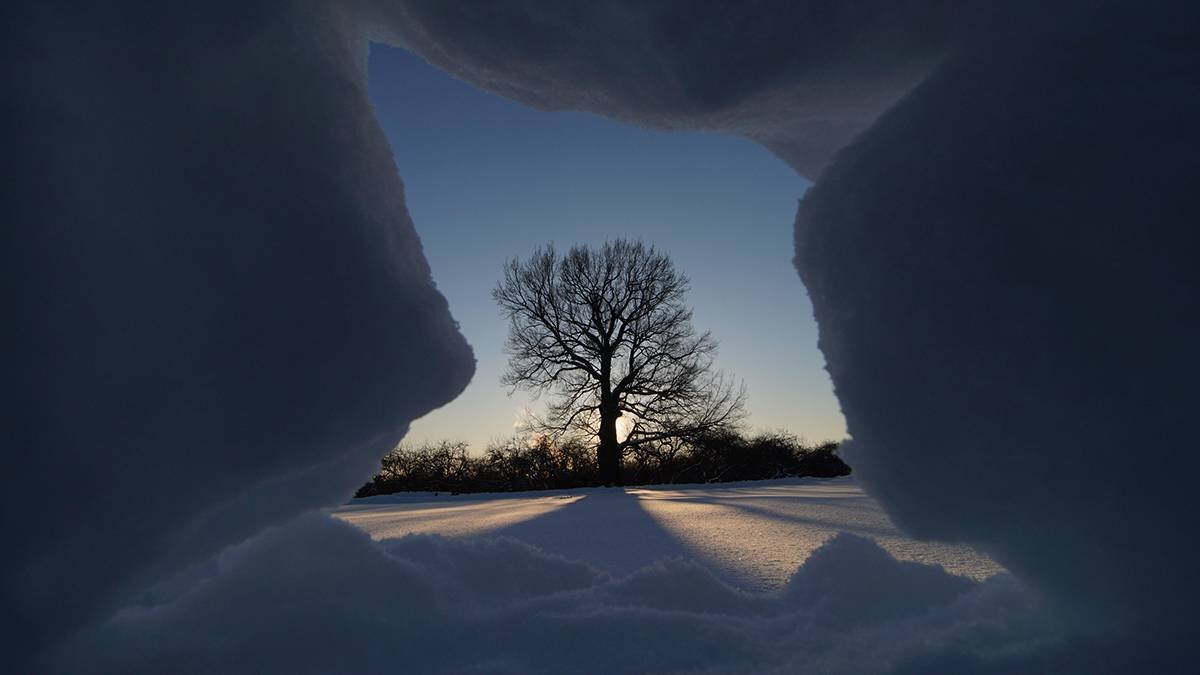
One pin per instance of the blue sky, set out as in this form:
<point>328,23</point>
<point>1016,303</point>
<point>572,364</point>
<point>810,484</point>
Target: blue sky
<point>488,180</point>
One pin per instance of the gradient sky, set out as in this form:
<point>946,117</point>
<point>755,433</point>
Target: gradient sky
<point>488,180</point>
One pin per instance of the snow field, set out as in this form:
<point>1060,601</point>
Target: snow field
<point>752,535</point>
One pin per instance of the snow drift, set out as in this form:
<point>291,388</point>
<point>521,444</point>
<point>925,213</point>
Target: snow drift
<point>317,596</point>
<point>996,267</point>
<point>224,314</point>
<point>222,317</point>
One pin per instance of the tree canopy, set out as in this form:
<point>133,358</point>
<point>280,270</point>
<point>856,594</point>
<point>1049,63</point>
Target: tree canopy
<point>607,333</point>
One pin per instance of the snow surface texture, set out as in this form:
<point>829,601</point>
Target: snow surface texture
<point>221,317</point>
<point>317,596</point>
<point>752,535</point>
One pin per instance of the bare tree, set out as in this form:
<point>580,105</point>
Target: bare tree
<point>607,332</point>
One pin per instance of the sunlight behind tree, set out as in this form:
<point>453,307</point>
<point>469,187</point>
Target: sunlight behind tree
<point>606,331</point>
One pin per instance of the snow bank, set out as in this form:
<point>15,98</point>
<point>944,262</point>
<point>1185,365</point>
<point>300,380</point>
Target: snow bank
<point>221,317</point>
<point>997,268</point>
<point>222,314</point>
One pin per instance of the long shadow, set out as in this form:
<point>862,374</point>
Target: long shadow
<point>609,529</point>
<point>839,525</point>
<point>473,501</point>
<point>847,497</point>
<point>856,503</point>
<point>444,499</point>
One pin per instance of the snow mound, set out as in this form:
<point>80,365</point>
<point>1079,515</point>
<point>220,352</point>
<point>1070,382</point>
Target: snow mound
<point>996,268</point>
<point>318,596</point>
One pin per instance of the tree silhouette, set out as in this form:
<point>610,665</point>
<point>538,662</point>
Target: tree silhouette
<point>607,332</point>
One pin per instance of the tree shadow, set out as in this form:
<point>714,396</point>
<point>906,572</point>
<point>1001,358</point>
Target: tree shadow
<point>609,529</point>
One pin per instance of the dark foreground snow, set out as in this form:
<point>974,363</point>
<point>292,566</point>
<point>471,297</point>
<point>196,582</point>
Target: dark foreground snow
<point>432,604</point>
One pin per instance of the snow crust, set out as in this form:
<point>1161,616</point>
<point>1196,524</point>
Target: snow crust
<point>221,318</point>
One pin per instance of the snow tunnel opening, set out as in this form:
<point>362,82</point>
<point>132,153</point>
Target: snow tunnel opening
<point>487,179</point>
<point>287,427</point>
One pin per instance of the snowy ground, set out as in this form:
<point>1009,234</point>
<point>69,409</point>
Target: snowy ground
<point>753,535</point>
<point>316,595</point>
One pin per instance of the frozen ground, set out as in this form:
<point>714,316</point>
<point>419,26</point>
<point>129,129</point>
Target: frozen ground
<point>753,535</point>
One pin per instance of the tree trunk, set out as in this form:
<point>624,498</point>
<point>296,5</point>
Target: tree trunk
<point>608,454</point>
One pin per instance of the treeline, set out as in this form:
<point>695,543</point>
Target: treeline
<point>539,464</point>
